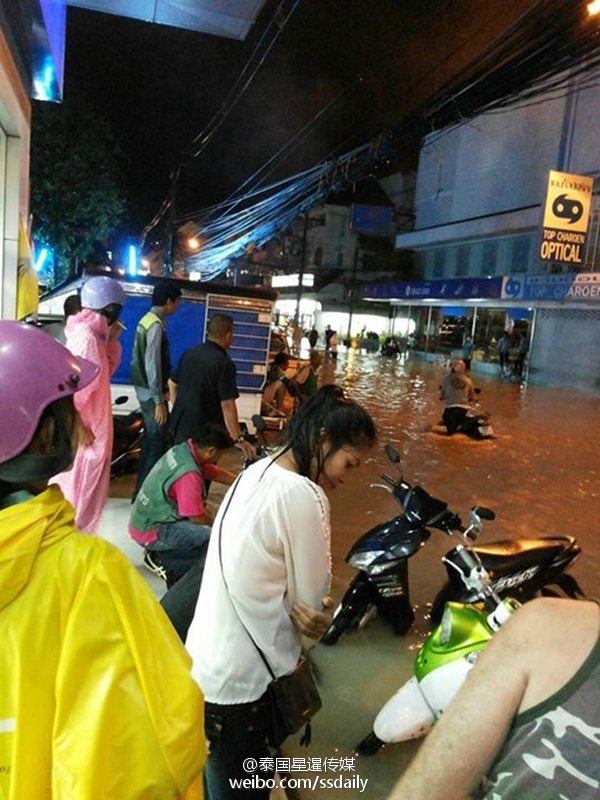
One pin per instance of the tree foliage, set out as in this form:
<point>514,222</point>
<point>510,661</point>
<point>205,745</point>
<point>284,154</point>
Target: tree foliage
<point>75,198</point>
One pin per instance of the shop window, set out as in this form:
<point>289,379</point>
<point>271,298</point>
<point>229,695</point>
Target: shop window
<point>439,261</point>
<point>462,260</point>
<point>489,259</point>
<point>521,249</point>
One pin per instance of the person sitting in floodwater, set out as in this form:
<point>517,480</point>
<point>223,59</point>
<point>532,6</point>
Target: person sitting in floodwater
<point>458,392</point>
<point>277,387</point>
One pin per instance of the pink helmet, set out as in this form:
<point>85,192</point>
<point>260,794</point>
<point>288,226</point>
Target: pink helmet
<point>101,291</point>
<point>35,370</point>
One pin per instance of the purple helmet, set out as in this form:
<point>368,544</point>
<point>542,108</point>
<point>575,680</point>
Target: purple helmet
<point>35,370</point>
<point>101,291</point>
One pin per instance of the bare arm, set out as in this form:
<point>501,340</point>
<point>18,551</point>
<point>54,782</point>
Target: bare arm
<point>232,424</point>
<point>457,753</point>
<point>532,657</point>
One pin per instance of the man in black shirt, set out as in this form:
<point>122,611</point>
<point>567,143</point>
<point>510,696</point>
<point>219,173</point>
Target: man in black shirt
<point>205,389</point>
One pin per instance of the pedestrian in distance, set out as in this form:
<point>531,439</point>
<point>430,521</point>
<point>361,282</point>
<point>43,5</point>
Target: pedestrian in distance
<point>504,352</point>
<point>525,723</point>
<point>97,699</point>
<point>169,517</point>
<point>467,352</point>
<point>333,345</point>
<point>267,579</point>
<point>520,356</point>
<point>150,373</point>
<point>328,335</point>
<point>204,387</point>
<point>296,334</point>
<point>313,337</point>
<point>93,334</point>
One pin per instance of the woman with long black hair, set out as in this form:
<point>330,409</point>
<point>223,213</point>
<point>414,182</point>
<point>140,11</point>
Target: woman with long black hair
<point>266,581</point>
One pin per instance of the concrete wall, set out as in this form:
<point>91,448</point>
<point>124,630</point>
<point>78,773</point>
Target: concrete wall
<point>500,161</point>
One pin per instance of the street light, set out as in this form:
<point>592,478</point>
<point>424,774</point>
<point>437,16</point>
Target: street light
<point>594,8</point>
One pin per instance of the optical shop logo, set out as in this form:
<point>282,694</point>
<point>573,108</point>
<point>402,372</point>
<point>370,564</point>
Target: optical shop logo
<point>565,208</point>
<point>568,201</point>
<point>566,217</point>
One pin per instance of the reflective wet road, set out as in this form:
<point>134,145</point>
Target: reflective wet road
<point>540,475</point>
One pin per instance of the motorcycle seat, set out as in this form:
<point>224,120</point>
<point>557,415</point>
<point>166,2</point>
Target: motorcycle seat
<point>129,423</point>
<point>523,549</point>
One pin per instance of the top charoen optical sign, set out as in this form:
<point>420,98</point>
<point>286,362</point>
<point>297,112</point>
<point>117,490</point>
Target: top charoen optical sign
<point>566,217</point>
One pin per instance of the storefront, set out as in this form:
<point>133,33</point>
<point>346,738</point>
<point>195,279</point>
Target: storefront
<point>557,315</point>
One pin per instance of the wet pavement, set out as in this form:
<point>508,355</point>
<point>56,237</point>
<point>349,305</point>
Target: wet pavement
<point>540,475</point>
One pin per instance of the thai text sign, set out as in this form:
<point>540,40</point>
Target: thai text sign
<point>566,217</point>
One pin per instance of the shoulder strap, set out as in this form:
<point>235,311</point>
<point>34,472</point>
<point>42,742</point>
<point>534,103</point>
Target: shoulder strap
<point>259,651</point>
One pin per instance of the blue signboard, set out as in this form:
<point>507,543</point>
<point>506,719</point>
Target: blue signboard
<point>455,289</point>
<point>371,220</point>
<point>564,286</point>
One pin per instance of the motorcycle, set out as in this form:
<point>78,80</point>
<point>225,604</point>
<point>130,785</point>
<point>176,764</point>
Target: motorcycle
<point>520,567</point>
<point>469,420</point>
<point>446,657</point>
<point>128,431</point>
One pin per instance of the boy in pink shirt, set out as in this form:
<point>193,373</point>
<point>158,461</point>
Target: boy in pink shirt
<point>169,517</point>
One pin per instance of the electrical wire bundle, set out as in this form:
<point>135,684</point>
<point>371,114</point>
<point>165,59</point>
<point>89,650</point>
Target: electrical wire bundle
<point>553,46</point>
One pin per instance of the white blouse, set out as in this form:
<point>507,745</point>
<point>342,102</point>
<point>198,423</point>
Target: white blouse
<point>275,552</point>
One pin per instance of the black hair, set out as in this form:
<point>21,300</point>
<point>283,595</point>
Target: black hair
<point>72,305</point>
<point>281,360</point>
<point>329,411</point>
<point>213,434</point>
<point>164,291</point>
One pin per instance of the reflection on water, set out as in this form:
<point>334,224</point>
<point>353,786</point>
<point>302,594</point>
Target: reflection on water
<point>540,473</point>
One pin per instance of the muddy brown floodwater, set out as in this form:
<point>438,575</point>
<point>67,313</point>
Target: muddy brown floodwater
<point>540,476</point>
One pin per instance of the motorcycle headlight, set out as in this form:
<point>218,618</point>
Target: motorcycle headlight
<point>362,560</point>
<point>446,626</point>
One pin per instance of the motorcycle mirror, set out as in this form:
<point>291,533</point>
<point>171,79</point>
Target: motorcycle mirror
<point>484,513</point>
<point>392,454</point>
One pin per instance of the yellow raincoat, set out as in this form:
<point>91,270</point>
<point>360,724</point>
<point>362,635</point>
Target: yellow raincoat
<point>96,698</point>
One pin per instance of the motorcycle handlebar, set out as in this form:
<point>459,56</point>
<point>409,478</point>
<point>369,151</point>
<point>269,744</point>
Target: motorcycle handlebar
<point>422,508</point>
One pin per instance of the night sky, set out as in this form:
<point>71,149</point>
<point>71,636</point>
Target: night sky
<point>159,86</point>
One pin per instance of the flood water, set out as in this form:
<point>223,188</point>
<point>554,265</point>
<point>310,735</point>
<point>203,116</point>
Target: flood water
<point>540,475</point>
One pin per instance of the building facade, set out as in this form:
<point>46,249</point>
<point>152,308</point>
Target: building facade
<point>480,196</point>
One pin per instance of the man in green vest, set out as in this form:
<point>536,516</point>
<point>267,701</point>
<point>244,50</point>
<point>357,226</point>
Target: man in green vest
<point>169,517</point>
<point>150,372</point>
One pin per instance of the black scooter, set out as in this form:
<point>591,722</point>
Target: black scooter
<point>128,431</point>
<point>521,568</point>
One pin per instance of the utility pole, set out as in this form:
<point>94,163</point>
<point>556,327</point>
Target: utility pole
<point>352,290</point>
<point>302,268</point>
